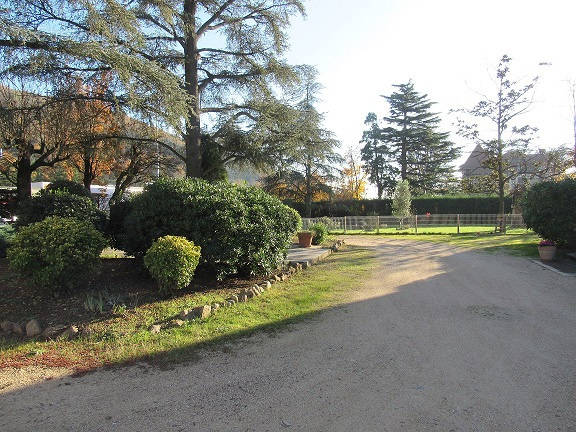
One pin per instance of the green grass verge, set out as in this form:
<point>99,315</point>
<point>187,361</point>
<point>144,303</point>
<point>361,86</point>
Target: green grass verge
<point>430,229</point>
<point>126,339</point>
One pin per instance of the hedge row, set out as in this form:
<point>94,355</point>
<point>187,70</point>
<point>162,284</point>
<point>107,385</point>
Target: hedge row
<point>434,205</point>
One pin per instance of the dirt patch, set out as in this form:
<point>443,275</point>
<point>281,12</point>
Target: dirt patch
<point>489,312</point>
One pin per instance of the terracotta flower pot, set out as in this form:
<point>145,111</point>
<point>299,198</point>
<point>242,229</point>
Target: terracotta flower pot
<point>305,239</point>
<point>547,253</point>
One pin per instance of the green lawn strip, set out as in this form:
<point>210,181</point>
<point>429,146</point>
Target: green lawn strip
<point>430,229</point>
<point>518,244</point>
<point>124,339</point>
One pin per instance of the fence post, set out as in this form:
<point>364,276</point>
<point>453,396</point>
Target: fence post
<point>458,223</point>
<point>377,224</point>
<point>416,223</point>
<point>344,224</point>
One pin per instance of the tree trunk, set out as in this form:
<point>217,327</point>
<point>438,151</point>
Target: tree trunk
<point>23,179</point>
<point>404,153</point>
<point>308,196</point>
<point>122,183</point>
<point>380,191</point>
<point>192,135</point>
<point>87,177</point>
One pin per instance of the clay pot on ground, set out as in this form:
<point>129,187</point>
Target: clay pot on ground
<point>547,253</point>
<point>305,239</point>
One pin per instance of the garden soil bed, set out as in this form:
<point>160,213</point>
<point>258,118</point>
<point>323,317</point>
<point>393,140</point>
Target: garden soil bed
<point>121,278</point>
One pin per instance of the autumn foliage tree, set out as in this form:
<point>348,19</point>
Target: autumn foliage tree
<point>94,149</point>
<point>35,132</point>
<point>352,181</point>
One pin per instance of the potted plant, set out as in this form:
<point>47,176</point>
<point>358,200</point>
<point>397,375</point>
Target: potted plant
<point>305,239</point>
<point>547,250</point>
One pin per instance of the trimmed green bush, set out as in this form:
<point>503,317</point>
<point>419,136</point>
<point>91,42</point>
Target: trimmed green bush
<point>241,230</point>
<point>6,234</point>
<point>319,233</point>
<point>172,260</point>
<point>68,186</point>
<point>56,252</point>
<point>549,208</point>
<point>61,204</point>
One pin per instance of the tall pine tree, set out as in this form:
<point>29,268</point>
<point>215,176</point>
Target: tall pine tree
<point>307,167</point>
<point>421,153</point>
<point>378,158</point>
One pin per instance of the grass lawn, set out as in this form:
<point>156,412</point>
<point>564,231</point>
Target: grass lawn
<point>518,242</point>
<point>117,339</point>
<point>430,229</point>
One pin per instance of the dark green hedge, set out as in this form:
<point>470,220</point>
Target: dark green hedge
<point>549,208</point>
<point>420,205</point>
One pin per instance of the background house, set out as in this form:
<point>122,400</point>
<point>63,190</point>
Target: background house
<point>521,168</point>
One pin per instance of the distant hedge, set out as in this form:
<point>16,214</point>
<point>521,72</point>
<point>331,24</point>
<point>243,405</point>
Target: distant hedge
<point>420,205</point>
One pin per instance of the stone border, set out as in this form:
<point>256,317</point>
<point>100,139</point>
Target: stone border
<point>33,328</point>
<point>555,270</point>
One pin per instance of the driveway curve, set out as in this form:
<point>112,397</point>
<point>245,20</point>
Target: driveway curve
<point>438,339</point>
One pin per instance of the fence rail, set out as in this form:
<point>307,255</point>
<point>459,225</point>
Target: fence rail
<point>443,223</point>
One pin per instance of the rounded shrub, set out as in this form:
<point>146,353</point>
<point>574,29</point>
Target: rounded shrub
<point>549,208</point>
<point>56,252</point>
<point>61,204</point>
<point>172,260</point>
<point>68,186</point>
<point>240,229</point>
<point>319,233</point>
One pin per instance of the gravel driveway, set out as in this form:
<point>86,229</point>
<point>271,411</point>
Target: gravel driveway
<point>439,339</point>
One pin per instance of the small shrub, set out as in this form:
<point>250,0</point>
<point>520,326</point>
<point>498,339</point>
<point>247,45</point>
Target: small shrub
<point>62,204</point>
<point>319,233</point>
<point>549,209</point>
<point>67,186</point>
<point>242,230</point>
<point>56,252</point>
<point>6,234</point>
<point>330,224</point>
<point>102,301</point>
<point>171,260</point>
<point>94,302</point>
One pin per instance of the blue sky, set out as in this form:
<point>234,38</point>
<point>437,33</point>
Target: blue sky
<point>449,48</point>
